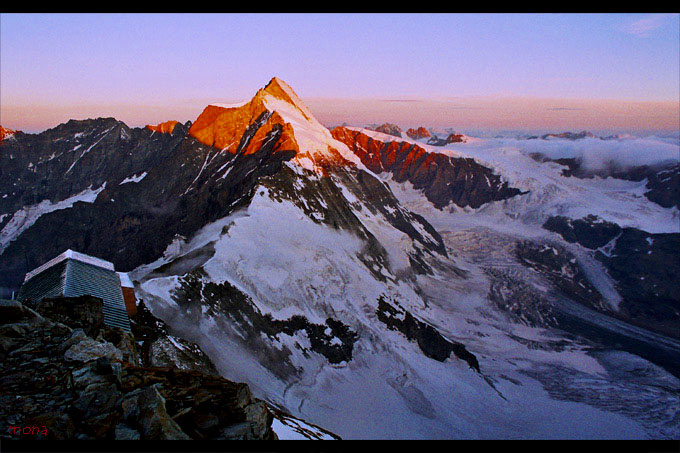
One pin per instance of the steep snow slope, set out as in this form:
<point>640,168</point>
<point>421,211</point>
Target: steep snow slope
<point>288,268</point>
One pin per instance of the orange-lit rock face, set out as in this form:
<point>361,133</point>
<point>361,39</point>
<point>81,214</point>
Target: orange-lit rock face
<point>5,133</point>
<point>222,126</point>
<point>455,138</point>
<point>252,124</point>
<point>165,128</point>
<point>443,179</point>
<point>415,134</point>
<point>381,156</point>
<point>378,156</point>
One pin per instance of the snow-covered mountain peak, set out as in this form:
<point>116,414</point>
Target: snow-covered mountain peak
<point>274,113</point>
<point>282,91</point>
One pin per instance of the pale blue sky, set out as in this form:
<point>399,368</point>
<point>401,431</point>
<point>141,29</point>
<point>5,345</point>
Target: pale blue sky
<point>108,58</point>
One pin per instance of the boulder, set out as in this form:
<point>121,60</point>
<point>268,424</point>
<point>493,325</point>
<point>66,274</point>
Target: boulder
<point>84,312</point>
<point>145,408</point>
<point>89,349</point>
<point>12,311</point>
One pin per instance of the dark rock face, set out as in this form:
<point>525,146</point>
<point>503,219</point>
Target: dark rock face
<point>64,384</point>
<point>73,156</point>
<point>590,231</point>
<point>443,179</point>
<point>561,268</point>
<point>436,141</point>
<point>451,138</point>
<point>428,339</point>
<point>333,340</point>
<point>159,348</point>
<point>389,128</point>
<point>570,135</point>
<point>645,267</point>
<point>663,182</point>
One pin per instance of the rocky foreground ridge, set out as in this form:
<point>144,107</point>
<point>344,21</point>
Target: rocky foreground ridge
<point>65,375</point>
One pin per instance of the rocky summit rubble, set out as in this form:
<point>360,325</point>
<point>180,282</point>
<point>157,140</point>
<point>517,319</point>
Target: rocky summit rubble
<point>65,375</point>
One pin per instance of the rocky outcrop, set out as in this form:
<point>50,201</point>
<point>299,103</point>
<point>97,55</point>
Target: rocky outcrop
<point>590,231</point>
<point>156,345</point>
<point>451,138</point>
<point>570,135</point>
<point>663,184</point>
<point>456,138</point>
<point>4,133</point>
<point>419,133</point>
<point>76,312</point>
<point>242,128</point>
<point>166,127</point>
<point>429,340</point>
<point>442,178</point>
<point>644,266</point>
<point>436,141</point>
<point>61,383</point>
<point>333,340</point>
<point>561,269</point>
<point>388,128</point>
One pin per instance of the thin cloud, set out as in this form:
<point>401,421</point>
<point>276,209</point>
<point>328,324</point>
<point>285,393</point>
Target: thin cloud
<point>644,26</point>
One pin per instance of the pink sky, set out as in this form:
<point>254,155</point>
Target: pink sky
<point>458,113</point>
<point>482,71</point>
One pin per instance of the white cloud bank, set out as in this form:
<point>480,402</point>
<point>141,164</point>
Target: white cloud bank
<point>596,154</point>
